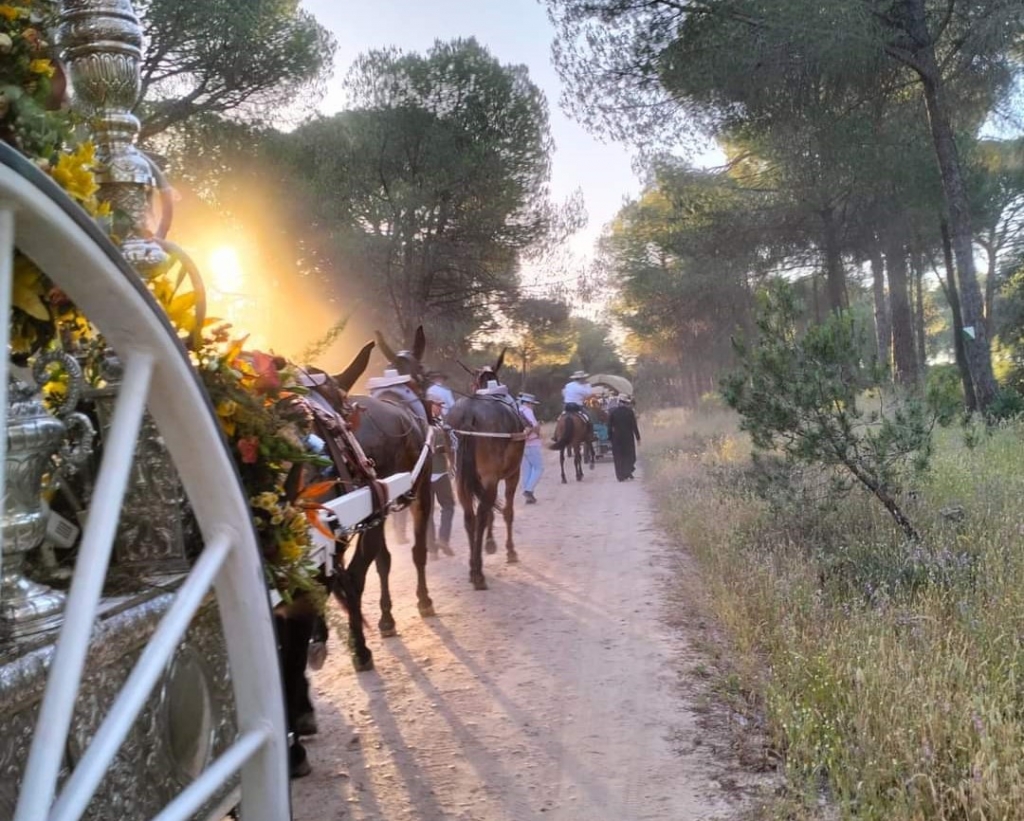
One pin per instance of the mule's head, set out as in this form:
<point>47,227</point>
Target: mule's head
<point>408,362</point>
<point>488,373</point>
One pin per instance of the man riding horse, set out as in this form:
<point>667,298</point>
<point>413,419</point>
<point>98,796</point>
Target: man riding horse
<point>575,394</point>
<point>574,430</point>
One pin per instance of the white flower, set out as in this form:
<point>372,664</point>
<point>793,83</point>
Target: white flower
<point>6,43</point>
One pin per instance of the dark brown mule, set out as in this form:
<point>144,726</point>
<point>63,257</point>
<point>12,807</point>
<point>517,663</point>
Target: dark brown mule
<point>482,462</point>
<point>573,433</point>
<point>392,436</point>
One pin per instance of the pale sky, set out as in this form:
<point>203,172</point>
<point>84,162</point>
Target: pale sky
<point>514,31</point>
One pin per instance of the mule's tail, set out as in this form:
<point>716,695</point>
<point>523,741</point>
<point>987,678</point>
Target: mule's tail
<point>467,475</point>
<point>565,439</point>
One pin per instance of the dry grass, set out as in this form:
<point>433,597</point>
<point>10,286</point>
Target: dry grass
<point>890,677</point>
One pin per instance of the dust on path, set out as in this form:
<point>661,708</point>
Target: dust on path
<point>554,695</point>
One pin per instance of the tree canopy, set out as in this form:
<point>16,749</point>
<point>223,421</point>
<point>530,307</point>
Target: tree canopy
<point>247,59</point>
<point>434,183</point>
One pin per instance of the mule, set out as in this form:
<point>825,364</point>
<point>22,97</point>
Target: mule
<point>392,436</point>
<point>489,431</point>
<point>574,432</point>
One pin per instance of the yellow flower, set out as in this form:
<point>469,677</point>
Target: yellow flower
<point>42,66</point>
<point>54,393</point>
<point>181,312</point>
<point>29,289</point>
<point>289,550</point>
<point>225,413</point>
<point>73,172</point>
<point>265,501</point>
<point>11,13</point>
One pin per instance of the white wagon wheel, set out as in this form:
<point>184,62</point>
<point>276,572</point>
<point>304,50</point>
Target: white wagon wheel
<point>37,218</point>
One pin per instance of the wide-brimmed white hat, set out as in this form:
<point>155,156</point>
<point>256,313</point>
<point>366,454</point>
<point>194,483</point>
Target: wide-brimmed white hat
<point>390,379</point>
<point>528,398</point>
<point>579,375</point>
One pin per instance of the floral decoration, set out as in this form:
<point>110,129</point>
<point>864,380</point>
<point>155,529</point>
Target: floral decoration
<point>254,393</point>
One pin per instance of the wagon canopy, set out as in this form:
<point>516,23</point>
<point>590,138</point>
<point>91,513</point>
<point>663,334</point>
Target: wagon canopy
<point>616,383</point>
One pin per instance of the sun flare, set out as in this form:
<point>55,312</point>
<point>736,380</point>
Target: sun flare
<point>228,277</point>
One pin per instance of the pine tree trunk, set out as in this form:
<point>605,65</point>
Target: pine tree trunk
<point>953,296</point>
<point>976,340</point>
<point>990,289</point>
<point>835,275</point>
<point>902,315</point>
<point>883,323</point>
<point>922,350</point>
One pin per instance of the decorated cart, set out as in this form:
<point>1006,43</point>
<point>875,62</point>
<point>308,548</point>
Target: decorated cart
<point>138,663</point>
<point>606,388</point>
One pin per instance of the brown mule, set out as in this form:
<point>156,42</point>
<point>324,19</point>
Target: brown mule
<point>483,462</point>
<point>392,436</point>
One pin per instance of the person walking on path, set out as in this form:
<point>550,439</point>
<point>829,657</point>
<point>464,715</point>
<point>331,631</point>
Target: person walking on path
<point>439,536</point>
<point>533,453</point>
<point>624,433</point>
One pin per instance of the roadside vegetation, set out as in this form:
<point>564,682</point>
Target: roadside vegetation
<point>887,671</point>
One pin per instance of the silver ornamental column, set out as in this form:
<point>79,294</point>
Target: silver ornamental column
<point>33,437</point>
<point>101,46</point>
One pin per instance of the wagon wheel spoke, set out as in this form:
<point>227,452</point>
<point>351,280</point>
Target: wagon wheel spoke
<point>158,375</point>
<point>40,780</point>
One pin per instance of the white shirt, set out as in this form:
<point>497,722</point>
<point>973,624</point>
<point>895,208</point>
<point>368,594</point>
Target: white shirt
<point>443,396</point>
<point>576,392</point>
<point>527,413</point>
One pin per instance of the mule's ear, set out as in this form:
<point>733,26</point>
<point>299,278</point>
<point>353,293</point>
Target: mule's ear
<point>384,347</point>
<point>500,362</point>
<point>419,344</point>
<point>347,378</point>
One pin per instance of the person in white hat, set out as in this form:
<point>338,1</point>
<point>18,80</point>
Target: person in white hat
<point>533,453</point>
<point>439,393</point>
<point>576,391</point>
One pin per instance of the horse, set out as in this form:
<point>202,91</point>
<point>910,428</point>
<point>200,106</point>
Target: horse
<point>574,432</point>
<point>490,437</point>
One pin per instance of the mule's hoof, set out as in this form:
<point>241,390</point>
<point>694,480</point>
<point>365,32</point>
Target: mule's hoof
<point>491,547</point>
<point>387,630</point>
<point>565,481</point>
<point>479,582</point>
<point>305,725</point>
<point>363,665</point>
<point>427,610</point>
<point>512,557</point>
<point>447,550</point>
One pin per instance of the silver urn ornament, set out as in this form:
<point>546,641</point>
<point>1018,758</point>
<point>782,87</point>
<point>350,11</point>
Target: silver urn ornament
<point>33,437</point>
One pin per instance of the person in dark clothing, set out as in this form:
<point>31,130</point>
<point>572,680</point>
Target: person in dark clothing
<point>438,538</point>
<point>294,632</point>
<point>624,433</point>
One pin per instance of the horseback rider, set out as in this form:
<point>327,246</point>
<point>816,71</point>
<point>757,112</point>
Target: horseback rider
<point>576,391</point>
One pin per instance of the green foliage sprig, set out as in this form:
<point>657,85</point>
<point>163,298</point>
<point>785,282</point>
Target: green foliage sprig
<point>802,395</point>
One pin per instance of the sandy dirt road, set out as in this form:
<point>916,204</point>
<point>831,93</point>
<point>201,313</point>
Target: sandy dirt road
<point>555,694</point>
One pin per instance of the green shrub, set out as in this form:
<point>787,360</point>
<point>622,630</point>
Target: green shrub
<point>944,393</point>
